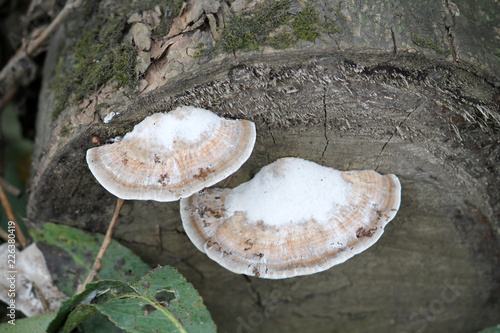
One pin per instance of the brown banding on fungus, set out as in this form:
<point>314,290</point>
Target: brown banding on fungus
<point>293,218</point>
<point>168,156</point>
<point>172,155</point>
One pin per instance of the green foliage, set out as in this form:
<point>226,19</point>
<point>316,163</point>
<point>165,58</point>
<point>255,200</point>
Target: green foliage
<point>176,299</point>
<point>160,300</point>
<point>36,324</point>
<point>119,263</point>
<point>85,297</point>
<point>495,329</point>
<point>81,313</point>
<point>140,306</point>
<point>98,323</point>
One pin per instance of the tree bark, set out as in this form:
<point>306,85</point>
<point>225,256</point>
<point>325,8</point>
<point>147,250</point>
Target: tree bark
<point>400,87</point>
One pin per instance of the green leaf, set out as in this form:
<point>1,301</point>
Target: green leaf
<point>81,313</point>
<point>85,297</point>
<point>495,329</point>
<point>164,300</point>
<point>70,253</point>
<point>161,300</point>
<point>99,323</point>
<point>88,315</point>
<point>37,324</point>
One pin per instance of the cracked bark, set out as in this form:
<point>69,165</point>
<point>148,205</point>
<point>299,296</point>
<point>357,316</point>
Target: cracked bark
<point>396,130</point>
<point>325,131</point>
<point>394,43</point>
<point>446,155</point>
<point>449,23</point>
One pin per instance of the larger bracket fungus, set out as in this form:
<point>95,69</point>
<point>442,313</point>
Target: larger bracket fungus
<point>293,218</point>
<point>172,155</point>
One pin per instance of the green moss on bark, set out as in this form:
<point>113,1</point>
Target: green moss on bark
<point>306,24</point>
<point>100,55</point>
<point>274,23</point>
<point>428,44</point>
<point>246,31</point>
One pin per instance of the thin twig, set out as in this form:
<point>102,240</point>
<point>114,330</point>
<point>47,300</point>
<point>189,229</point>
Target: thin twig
<point>9,188</point>
<point>107,240</point>
<point>10,215</point>
<point>27,51</point>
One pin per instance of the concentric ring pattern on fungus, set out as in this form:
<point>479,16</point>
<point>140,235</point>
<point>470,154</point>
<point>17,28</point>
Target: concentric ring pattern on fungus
<point>172,155</point>
<point>293,218</point>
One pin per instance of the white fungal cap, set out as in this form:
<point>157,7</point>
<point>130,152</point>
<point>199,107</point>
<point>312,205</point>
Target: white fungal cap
<point>293,218</point>
<point>172,155</point>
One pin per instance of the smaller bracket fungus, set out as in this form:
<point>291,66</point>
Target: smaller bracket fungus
<point>172,155</point>
<point>293,218</point>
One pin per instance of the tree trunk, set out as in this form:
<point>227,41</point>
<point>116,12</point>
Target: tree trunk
<point>402,87</point>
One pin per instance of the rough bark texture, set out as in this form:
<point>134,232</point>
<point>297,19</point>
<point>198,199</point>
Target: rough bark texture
<point>400,87</point>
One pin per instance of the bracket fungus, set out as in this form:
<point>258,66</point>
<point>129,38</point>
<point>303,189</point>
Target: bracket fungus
<point>293,218</point>
<point>168,156</point>
<point>172,155</point>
